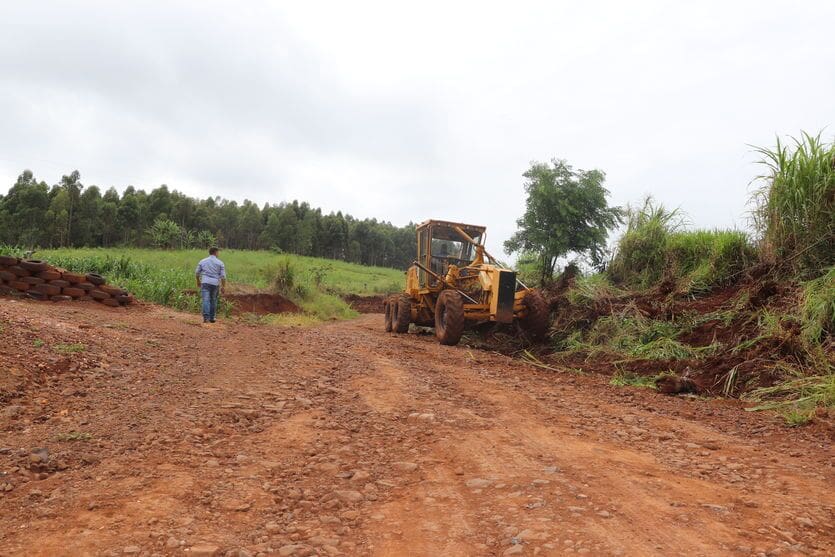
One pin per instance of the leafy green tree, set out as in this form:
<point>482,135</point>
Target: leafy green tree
<point>566,212</point>
<point>25,209</point>
<point>32,214</point>
<point>129,216</point>
<point>71,184</point>
<point>58,217</point>
<point>88,218</point>
<point>250,224</point>
<point>282,230</point>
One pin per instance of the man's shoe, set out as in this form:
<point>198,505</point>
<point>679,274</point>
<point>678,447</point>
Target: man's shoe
<point>211,320</point>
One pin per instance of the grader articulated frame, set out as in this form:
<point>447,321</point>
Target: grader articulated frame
<point>455,283</point>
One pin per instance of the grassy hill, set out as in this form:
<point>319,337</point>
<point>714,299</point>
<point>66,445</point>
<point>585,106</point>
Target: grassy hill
<point>165,276</point>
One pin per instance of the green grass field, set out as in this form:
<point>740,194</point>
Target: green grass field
<point>162,276</point>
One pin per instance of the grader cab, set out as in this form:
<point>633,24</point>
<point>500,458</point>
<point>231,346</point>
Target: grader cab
<point>454,283</point>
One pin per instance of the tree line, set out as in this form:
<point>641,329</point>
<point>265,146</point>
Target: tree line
<point>70,214</point>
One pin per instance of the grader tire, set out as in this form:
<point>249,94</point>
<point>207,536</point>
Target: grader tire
<point>402,315</point>
<point>449,318</point>
<point>389,308</point>
<point>535,322</point>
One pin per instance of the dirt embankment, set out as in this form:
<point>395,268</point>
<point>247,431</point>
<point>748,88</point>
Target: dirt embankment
<point>248,299</point>
<point>261,304</point>
<point>145,433</point>
<point>724,330</point>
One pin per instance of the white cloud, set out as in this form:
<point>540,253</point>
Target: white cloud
<point>410,111</point>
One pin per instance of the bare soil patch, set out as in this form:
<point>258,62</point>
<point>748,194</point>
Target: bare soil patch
<point>366,304</point>
<point>261,304</point>
<point>166,437</point>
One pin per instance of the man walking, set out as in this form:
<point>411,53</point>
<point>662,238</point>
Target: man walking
<point>211,277</point>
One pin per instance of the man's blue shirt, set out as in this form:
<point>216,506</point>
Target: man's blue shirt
<point>211,270</point>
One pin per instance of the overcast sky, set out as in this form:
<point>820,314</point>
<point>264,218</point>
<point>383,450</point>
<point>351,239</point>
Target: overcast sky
<point>408,111</point>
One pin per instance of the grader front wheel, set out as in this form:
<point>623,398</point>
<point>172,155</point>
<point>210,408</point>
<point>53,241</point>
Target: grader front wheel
<point>449,317</point>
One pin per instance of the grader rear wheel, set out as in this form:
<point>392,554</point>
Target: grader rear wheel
<point>535,321</point>
<point>402,315</point>
<point>449,317</point>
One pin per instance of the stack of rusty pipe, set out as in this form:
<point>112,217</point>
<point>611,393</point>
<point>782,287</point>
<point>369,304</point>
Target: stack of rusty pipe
<point>41,281</point>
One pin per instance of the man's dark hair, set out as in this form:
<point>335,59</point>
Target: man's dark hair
<point>213,250</point>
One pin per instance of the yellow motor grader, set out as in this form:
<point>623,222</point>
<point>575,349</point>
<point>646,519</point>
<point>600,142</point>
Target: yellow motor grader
<point>454,283</point>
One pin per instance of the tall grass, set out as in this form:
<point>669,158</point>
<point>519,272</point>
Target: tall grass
<point>167,276</point>
<point>819,307</point>
<point>640,256</point>
<point>795,206</point>
<point>654,247</point>
<point>257,268</point>
<point>13,251</point>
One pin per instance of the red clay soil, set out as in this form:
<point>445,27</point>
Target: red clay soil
<point>366,304</point>
<point>261,304</point>
<point>143,432</point>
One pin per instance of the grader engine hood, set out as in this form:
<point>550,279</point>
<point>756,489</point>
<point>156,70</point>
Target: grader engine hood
<point>501,283</point>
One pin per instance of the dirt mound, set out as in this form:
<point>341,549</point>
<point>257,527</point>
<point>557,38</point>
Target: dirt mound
<point>261,304</point>
<point>366,304</point>
<point>38,280</point>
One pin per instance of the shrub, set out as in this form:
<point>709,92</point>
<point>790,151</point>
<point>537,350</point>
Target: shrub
<point>795,207</point>
<point>285,277</point>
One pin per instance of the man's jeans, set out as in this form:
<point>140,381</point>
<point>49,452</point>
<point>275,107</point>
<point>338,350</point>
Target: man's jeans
<point>208,293</point>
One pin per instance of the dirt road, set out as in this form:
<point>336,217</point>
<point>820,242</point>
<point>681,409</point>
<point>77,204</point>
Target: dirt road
<point>168,438</point>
